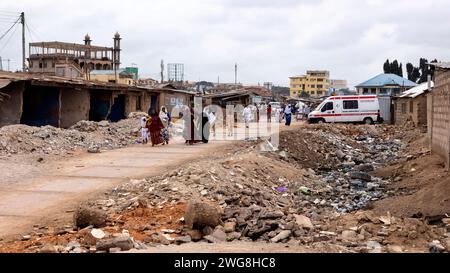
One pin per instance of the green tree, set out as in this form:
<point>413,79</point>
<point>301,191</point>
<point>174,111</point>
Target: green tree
<point>387,67</point>
<point>409,70</point>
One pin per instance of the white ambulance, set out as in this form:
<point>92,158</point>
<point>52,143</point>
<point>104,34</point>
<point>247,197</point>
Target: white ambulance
<point>364,109</point>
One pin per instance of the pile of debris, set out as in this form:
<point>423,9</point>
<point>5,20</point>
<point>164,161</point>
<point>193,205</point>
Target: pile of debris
<point>250,195</point>
<point>86,135</point>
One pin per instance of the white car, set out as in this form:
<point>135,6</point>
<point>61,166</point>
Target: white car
<point>364,109</point>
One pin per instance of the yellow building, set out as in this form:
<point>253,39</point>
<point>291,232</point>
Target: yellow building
<point>123,77</point>
<point>315,83</point>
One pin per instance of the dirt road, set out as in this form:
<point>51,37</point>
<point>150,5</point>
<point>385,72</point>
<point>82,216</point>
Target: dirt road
<point>31,194</point>
<point>48,193</point>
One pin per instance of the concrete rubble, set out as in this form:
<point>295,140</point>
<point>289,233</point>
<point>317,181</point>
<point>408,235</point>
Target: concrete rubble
<point>316,194</point>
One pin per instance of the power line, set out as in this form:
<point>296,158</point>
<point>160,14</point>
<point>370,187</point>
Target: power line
<point>9,39</point>
<point>15,23</point>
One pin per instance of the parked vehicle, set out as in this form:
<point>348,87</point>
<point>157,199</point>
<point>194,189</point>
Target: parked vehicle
<point>364,109</point>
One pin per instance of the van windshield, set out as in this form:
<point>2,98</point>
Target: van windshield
<point>318,108</point>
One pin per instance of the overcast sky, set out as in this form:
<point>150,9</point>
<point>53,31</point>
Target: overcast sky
<point>270,40</point>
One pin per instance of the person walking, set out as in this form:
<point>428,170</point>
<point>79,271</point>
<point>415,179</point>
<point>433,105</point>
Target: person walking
<point>288,114</point>
<point>144,130</point>
<point>165,119</point>
<point>155,125</point>
<point>247,116</point>
<point>269,114</point>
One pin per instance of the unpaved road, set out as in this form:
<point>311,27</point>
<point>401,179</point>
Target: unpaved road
<point>48,194</point>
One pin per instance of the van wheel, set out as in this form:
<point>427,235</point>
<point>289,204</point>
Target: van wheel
<point>320,121</point>
<point>368,121</point>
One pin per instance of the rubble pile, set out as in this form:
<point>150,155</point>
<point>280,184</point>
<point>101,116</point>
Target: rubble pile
<point>89,135</point>
<point>254,195</point>
<point>344,156</point>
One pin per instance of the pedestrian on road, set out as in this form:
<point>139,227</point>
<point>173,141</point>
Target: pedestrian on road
<point>212,122</point>
<point>257,113</point>
<point>144,130</point>
<point>269,113</point>
<point>188,128</point>
<point>288,115</point>
<point>155,125</point>
<point>165,119</point>
<point>247,116</point>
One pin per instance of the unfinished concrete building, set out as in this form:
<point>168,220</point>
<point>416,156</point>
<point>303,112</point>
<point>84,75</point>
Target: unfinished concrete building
<point>73,60</point>
<point>38,100</point>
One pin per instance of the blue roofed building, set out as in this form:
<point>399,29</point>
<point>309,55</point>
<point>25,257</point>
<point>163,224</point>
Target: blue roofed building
<point>385,85</point>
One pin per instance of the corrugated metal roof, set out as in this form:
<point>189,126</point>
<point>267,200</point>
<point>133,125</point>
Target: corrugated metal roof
<point>387,79</point>
<point>416,91</point>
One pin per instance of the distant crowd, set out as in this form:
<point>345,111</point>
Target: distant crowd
<point>197,127</point>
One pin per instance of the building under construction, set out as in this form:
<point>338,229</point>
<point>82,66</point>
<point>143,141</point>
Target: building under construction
<point>73,60</point>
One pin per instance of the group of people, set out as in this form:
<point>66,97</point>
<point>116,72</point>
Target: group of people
<point>156,127</point>
<point>300,111</point>
<point>197,127</point>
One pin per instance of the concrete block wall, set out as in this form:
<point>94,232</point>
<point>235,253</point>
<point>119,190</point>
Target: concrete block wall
<point>440,131</point>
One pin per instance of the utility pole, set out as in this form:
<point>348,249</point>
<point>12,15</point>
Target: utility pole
<point>162,71</point>
<point>235,74</point>
<point>22,21</point>
<point>1,64</point>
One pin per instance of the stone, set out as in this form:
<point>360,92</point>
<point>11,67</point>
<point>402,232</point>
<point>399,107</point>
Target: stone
<point>229,227</point>
<point>94,149</point>
<point>103,123</point>
<point>201,214</point>
<point>195,235</point>
<point>374,247</point>
<point>340,154</point>
<point>123,242</point>
<point>303,222</point>
<point>233,236</point>
<point>86,216</point>
<point>271,215</point>
<point>436,247</point>
<point>48,249</point>
<point>447,244</point>
<point>361,176</point>
<point>219,234</point>
<point>349,235</point>
<point>394,249</point>
<point>364,168</point>
<point>114,250</point>
<point>212,239</point>
<point>183,239</point>
<point>26,237</point>
<point>281,236</point>
<point>98,233</point>
<point>372,186</point>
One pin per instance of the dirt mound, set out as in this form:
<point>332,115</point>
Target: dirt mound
<point>419,187</point>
